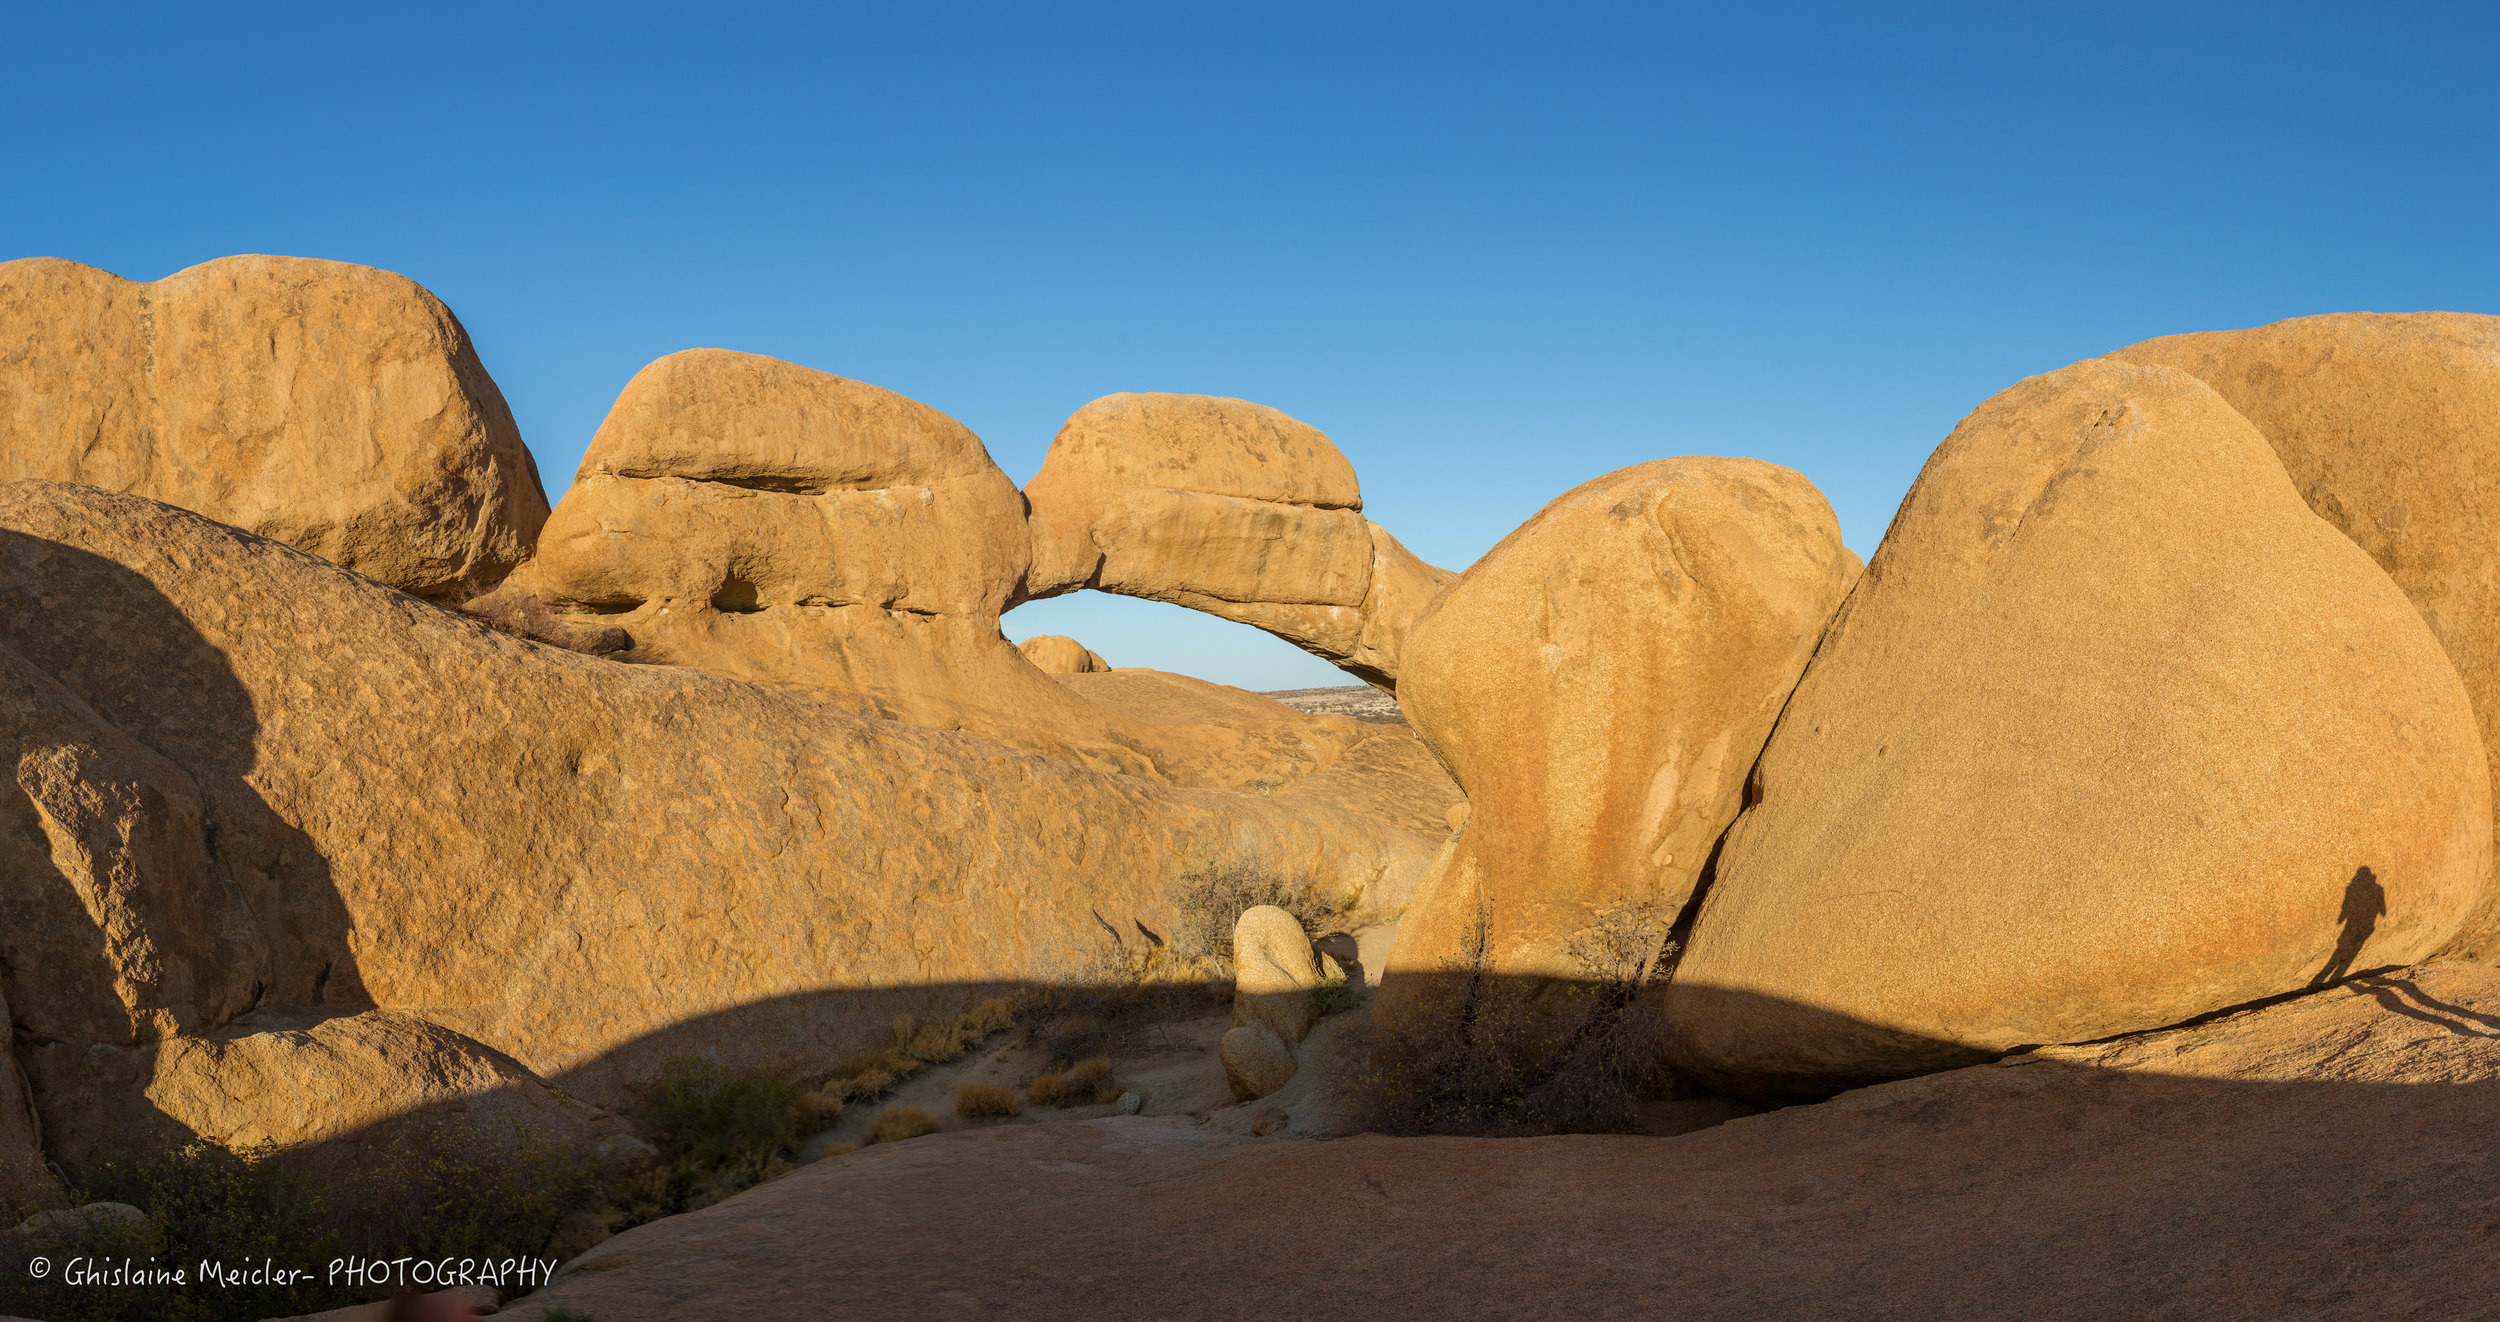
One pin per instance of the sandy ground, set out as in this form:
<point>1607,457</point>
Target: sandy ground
<point>1170,1067</point>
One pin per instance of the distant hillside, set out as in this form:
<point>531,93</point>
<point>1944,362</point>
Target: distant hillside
<point>1360,701</point>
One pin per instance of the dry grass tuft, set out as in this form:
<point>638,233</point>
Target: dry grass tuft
<point>1086,1083</point>
<point>976,1101</point>
<point>896,1123</point>
<point>916,1047</point>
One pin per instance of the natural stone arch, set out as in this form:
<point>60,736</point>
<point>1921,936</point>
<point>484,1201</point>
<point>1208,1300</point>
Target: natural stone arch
<point>1228,507</point>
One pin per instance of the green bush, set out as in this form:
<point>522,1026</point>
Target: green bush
<point>701,1114</point>
<point>1333,996</point>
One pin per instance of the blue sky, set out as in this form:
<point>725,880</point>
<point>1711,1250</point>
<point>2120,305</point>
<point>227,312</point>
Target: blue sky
<point>1493,252</point>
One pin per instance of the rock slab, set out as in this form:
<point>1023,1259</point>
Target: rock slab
<point>2145,1179</point>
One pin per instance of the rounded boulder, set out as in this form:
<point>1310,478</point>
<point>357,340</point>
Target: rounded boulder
<point>2114,732</point>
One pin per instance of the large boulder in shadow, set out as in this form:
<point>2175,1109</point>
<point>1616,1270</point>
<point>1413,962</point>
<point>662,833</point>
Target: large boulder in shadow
<point>1228,507</point>
<point>334,1083</point>
<point>2113,733</point>
<point>586,865</point>
<point>333,407</point>
<point>1599,685</point>
<point>2390,427</point>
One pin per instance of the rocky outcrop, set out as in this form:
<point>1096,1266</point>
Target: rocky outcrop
<point>1599,684</point>
<point>2114,732</point>
<point>2390,428</point>
<point>777,524</point>
<point>2296,1162</point>
<point>333,407</point>
<point>1058,654</point>
<point>584,865</point>
<point>293,1079</point>
<point>1274,973</point>
<point>784,526</point>
<point>1228,507</point>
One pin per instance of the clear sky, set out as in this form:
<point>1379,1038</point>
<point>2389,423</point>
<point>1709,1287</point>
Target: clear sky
<point>1492,252</point>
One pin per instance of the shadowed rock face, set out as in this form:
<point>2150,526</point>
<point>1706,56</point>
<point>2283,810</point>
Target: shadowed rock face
<point>328,1079</point>
<point>2114,732</point>
<point>2390,427</point>
<point>1599,684</point>
<point>333,407</point>
<point>2304,1161</point>
<point>561,857</point>
<point>1228,507</point>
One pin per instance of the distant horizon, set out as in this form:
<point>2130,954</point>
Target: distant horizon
<point>1491,253</point>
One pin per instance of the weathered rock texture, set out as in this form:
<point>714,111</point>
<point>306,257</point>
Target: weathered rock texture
<point>2114,732</point>
<point>1256,1061</point>
<point>2390,428</point>
<point>1231,508</point>
<point>2313,1160</point>
<point>1599,684</point>
<point>785,526</point>
<point>333,407</point>
<point>292,1079</point>
<point>116,926</point>
<point>1058,654</point>
<point>1274,972</point>
<point>587,866</point>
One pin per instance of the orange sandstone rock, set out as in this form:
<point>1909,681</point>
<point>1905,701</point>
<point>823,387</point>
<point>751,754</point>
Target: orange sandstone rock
<point>1599,684</point>
<point>2114,732</point>
<point>333,407</point>
<point>1228,507</point>
<point>2390,427</point>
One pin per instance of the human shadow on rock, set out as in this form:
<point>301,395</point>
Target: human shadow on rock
<point>2365,902</point>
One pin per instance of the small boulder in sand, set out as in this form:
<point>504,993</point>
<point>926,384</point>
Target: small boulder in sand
<point>1256,1061</point>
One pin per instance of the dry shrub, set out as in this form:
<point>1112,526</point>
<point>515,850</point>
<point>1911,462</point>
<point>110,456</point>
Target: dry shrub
<point>1532,1055</point>
<point>435,1186</point>
<point>896,1123</point>
<point>976,1101</point>
<point>916,1047</point>
<point>1214,897</point>
<point>1086,1083</point>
